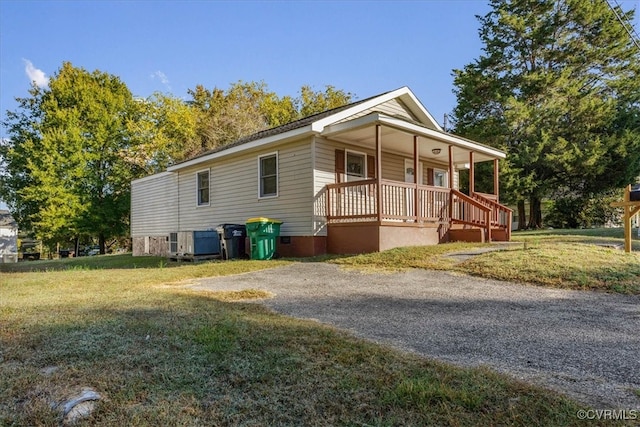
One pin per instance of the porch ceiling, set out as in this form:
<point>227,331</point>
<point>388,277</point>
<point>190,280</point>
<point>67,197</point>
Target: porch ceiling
<point>397,136</point>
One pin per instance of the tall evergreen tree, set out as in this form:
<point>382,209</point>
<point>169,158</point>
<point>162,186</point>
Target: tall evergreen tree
<point>558,88</point>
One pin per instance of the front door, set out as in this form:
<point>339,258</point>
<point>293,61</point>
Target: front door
<point>409,172</point>
<point>409,193</point>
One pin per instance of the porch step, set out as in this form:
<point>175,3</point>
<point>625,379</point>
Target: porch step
<point>475,234</point>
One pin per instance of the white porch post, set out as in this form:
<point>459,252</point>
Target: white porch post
<point>379,171</point>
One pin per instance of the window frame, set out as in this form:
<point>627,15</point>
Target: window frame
<point>346,166</point>
<point>208,202</point>
<point>261,177</point>
<point>445,174</point>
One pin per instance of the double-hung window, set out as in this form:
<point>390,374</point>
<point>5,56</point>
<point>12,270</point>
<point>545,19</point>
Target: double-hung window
<point>202,183</point>
<point>356,166</point>
<point>268,175</point>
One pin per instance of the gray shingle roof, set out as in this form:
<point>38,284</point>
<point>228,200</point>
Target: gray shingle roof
<point>297,124</point>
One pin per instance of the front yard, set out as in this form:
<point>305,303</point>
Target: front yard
<point>162,355</point>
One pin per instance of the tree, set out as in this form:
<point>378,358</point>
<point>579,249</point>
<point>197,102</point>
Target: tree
<point>66,164</point>
<point>312,102</point>
<point>162,131</point>
<point>557,87</point>
<point>224,116</point>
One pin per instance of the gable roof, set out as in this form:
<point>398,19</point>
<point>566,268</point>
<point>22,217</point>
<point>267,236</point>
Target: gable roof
<point>297,124</point>
<point>403,100</point>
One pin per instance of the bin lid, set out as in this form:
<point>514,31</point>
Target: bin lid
<point>263,219</point>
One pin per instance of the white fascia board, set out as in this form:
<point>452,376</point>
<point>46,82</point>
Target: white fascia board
<point>422,111</point>
<point>443,137</point>
<point>281,137</point>
<point>154,176</point>
<point>352,124</point>
<point>415,130</point>
<point>322,123</point>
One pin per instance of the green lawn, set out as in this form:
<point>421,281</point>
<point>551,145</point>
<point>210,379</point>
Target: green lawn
<point>569,259</point>
<point>163,355</point>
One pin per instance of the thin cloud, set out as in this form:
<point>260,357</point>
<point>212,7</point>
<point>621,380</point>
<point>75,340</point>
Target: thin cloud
<point>162,77</point>
<point>36,75</point>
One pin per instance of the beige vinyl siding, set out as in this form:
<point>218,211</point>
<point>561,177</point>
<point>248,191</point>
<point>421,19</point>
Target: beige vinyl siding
<point>324,172</point>
<point>234,191</point>
<point>154,209</point>
<point>394,108</point>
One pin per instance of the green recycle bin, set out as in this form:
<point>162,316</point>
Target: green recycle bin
<point>263,233</point>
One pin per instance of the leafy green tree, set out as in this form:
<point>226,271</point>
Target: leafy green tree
<point>67,169</point>
<point>224,116</point>
<point>312,102</point>
<point>162,131</point>
<point>558,88</point>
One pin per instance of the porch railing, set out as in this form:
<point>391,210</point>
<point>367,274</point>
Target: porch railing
<point>358,201</point>
<point>501,216</point>
<point>405,202</point>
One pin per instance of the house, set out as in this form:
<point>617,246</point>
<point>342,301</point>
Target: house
<point>342,181</point>
<point>8,238</point>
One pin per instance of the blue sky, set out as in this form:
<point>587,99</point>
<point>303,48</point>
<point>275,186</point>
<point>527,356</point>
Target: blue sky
<point>364,47</point>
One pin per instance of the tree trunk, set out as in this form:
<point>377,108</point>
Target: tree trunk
<point>76,246</point>
<point>535,212</point>
<point>101,242</point>
<point>522,216</point>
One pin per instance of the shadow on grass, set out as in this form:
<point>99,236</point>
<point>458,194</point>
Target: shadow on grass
<point>180,358</point>
<point>104,262</point>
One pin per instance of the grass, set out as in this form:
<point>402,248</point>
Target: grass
<point>161,354</point>
<point>399,259</point>
<point>553,258</point>
<point>586,235</point>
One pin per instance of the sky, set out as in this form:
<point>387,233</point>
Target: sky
<point>362,47</point>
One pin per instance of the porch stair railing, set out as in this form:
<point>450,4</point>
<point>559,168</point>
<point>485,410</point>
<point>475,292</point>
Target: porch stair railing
<point>501,216</point>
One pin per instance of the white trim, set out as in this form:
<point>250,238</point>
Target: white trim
<point>198,204</point>
<point>446,177</point>
<point>260,157</point>
<point>150,177</point>
<point>358,153</point>
<point>403,93</point>
<point>326,126</point>
<point>414,129</point>
<point>281,137</point>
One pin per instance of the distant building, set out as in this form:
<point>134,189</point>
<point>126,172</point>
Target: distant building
<point>8,238</point>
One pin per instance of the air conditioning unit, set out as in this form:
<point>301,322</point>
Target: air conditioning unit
<point>196,243</point>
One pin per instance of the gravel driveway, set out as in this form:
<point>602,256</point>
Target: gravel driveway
<point>584,344</point>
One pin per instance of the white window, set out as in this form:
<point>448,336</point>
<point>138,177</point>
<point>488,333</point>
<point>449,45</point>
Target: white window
<point>202,184</point>
<point>268,175</point>
<point>440,178</point>
<point>356,166</point>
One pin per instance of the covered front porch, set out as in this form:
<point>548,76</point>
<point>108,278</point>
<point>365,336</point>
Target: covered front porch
<point>377,213</point>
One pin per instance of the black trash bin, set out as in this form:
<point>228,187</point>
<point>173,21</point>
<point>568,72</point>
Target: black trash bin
<point>634,195</point>
<point>232,240</point>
